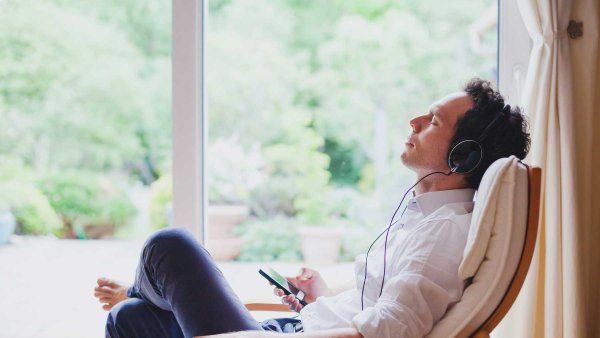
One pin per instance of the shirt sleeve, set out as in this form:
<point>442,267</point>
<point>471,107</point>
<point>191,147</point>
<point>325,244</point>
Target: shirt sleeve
<point>425,283</point>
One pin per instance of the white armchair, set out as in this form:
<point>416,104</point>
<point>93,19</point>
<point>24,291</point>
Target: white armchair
<point>499,249</point>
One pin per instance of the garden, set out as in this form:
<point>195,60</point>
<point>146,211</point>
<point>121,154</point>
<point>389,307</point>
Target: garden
<point>308,109</point>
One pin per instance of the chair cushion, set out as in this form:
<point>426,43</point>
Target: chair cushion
<point>493,249</point>
<point>495,192</point>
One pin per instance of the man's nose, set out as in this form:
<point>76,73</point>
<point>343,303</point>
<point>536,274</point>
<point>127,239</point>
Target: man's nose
<point>415,125</point>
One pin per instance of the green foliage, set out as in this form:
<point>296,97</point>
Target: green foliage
<point>233,171</point>
<point>331,208</point>
<point>304,97</point>
<point>355,241</point>
<point>296,169</point>
<point>83,97</point>
<point>273,240</point>
<point>346,163</point>
<point>86,199</point>
<point>147,24</point>
<point>160,201</point>
<point>31,208</point>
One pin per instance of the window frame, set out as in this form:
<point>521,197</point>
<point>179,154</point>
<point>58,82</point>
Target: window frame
<point>514,48</point>
<point>189,115</point>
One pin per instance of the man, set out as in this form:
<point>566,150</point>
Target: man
<point>180,292</point>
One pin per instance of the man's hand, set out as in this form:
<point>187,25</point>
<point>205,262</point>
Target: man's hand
<point>308,281</point>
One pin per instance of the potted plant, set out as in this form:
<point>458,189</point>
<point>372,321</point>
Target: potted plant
<point>232,173</point>
<point>320,244</point>
<point>8,223</point>
<point>321,233</point>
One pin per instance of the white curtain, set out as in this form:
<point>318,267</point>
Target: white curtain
<point>560,297</point>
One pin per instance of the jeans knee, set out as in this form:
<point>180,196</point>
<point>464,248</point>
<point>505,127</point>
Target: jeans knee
<point>123,316</point>
<point>170,243</point>
<point>169,237</point>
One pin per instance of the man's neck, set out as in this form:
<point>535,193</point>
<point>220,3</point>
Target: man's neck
<point>439,182</point>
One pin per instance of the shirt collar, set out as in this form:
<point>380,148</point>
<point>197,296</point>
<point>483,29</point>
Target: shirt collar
<point>431,201</point>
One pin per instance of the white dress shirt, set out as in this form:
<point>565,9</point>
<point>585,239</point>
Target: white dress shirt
<point>424,252</point>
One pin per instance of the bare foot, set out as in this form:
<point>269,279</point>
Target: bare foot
<point>109,292</point>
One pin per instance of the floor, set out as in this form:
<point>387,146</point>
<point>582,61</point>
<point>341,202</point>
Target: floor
<point>46,284</point>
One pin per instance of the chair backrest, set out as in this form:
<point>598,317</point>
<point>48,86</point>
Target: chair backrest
<point>499,249</point>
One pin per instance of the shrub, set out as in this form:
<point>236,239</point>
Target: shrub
<point>275,239</point>
<point>233,171</point>
<point>161,197</point>
<point>297,172</point>
<point>86,199</point>
<point>31,208</point>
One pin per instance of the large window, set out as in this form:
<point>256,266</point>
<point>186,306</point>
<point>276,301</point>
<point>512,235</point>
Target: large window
<point>308,104</point>
<point>85,111</point>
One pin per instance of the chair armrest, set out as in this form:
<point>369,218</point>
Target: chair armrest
<point>267,307</point>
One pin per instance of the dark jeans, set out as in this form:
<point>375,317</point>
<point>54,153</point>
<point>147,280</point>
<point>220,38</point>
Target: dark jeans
<point>180,293</point>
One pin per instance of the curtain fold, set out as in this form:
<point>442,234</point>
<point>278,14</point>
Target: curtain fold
<point>560,297</point>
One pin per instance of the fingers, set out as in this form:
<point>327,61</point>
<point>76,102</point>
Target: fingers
<point>305,274</point>
<point>103,294</point>
<point>105,299</point>
<point>278,292</point>
<point>103,281</point>
<point>103,289</point>
<point>292,302</point>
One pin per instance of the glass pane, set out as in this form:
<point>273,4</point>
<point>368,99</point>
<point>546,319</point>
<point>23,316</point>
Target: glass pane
<point>85,153</point>
<point>85,102</point>
<point>308,110</point>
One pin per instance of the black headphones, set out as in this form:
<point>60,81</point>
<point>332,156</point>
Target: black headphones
<point>467,154</point>
<point>464,157</point>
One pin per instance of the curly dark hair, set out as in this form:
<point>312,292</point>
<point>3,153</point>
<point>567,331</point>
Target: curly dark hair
<point>508,136</point>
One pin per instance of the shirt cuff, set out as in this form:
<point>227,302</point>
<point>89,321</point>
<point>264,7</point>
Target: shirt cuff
<point>366,322</point>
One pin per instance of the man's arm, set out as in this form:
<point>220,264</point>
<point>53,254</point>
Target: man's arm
<point>347,285</point>
<point>333,333</point>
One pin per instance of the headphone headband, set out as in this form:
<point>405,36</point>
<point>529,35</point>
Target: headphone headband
<point>467,154</point>
<point>504,111</point>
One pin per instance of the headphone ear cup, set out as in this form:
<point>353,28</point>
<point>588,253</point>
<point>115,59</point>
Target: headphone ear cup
<point>465,156</point>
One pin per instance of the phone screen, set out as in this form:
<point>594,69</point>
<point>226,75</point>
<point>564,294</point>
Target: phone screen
<point>283,281</point>
<point>279,279</point>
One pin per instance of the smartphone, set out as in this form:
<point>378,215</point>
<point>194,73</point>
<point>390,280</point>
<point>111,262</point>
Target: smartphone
<point>282,283</point>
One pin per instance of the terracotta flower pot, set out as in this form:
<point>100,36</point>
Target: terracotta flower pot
<point>320,245</point>
<point>221,241</point>
<point>99,231</point>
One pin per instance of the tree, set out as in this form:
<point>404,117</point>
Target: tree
<point>374,73</point>
<point>82,97</point>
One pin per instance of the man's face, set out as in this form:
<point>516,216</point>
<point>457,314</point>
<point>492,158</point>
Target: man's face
<point>427,146</point>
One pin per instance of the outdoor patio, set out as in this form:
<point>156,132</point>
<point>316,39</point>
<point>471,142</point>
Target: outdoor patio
<point>46,284</point>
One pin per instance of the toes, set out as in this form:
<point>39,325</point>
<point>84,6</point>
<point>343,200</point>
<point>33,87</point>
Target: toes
<point>105,299</point>
<point>104,289</point>
<point>103,281</point>
<point>99,295</point>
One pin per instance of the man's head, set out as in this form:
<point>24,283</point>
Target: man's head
<point>460,116</point>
